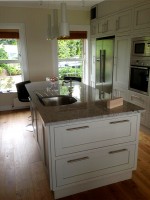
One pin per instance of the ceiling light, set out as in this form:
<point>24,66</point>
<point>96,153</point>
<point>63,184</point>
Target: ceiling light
<point>53,24</point>
<point>64,26</point>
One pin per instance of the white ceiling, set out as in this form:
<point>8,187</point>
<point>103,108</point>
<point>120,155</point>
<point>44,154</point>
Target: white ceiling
<point>52,4</point>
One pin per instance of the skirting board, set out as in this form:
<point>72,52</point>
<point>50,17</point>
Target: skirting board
<point>92,184</point>
<point>10,107</point>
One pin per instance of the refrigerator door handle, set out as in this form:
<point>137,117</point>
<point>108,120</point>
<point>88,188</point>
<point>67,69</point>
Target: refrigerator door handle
<point>102,66</point>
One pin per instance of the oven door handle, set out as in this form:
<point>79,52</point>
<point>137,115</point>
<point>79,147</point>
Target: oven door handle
<point>135,66</point>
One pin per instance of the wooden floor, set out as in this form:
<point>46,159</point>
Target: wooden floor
<point>22,174</point>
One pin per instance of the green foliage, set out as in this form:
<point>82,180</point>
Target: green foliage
<point>69,48</point>
<point>69,71</point>
<point>10,69</point>
<point>3,54</point>
<point>8,41</point>
<point>13,70</point>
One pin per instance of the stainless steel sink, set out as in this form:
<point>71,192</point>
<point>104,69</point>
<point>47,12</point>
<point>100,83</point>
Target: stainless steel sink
<point>57,100</point>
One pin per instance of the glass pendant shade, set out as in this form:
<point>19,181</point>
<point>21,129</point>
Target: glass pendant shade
<point>64,26</point>
<point>53,25</point>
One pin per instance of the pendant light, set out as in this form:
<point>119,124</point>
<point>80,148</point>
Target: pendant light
<point>53,24</point>
<point>64,26</point>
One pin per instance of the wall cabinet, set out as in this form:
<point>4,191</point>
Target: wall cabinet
<point>142,17</point>
<point>106,25</point>
<point>112,25</point>
<point>92,150</point>
<point>93,27</point>
<point>123,22</point>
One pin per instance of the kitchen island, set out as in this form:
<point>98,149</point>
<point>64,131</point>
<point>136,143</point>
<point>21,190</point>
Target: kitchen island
<point>84,145</point>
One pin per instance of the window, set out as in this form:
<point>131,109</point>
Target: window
<point>71,55</point>
<point>10,67</point>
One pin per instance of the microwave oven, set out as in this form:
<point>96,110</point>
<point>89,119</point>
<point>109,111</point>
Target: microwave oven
<point>141,46</point>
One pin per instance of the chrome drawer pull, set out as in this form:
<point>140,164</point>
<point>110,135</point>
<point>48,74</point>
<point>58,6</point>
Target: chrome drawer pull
<point>117,151</point>
<point>78,159</point>
<point>117,122</point>
<point>72,129</point>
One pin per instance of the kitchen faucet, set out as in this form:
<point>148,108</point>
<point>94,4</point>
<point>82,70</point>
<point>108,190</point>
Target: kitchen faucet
<point>64,81</point>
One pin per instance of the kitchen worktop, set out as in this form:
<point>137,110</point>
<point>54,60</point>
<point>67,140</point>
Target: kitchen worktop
<point>89,103</point>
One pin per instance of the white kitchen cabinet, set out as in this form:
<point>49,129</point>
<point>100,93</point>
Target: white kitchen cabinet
<point>115,24</point>
<point>142,101</point>
<point>92,151</point>
<point>99,133</point>
<point>123,22</point>
<point>107,25</point>
<point>122,62</point>
<point>99,162</point>
<point>43,140</point>
<point>142,17</point>
<point>138,99</point>
<point>93,27</point>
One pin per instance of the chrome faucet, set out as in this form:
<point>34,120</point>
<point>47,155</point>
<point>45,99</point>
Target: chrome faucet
<point>67,82</point>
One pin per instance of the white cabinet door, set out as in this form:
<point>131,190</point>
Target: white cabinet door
<point>107,25</point>
<point>122,61</point>
<point>142,17</point>
<point>94,27</point>
<point>95,163</point>
<point>90,135</point>
<point>123,21</point>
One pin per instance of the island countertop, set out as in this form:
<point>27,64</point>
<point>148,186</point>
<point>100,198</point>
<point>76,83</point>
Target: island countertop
<point>89,103</point>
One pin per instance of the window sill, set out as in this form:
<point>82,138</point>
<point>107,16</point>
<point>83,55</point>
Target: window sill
<point>8,92</point>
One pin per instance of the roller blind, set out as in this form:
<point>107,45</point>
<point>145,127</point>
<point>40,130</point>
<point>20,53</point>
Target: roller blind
<point>9,34</point>
<point>75,35</point>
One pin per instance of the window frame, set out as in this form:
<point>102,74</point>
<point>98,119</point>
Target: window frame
<point>86,74</point>
<point>21,46</point>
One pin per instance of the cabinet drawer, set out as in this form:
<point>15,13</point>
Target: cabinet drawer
<point>94,164</point>
<point>138,99</point>
<point>95,134</point>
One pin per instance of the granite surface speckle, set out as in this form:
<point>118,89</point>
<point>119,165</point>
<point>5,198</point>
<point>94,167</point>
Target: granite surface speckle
<point>90,104</point>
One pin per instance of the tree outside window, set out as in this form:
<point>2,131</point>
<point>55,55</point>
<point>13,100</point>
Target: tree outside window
<point>70,57</point>
<point>10,69</point>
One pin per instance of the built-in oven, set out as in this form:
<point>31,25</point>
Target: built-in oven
<point>139,76</point>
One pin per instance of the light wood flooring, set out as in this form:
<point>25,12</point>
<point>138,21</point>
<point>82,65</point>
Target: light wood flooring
<point>22,173</point>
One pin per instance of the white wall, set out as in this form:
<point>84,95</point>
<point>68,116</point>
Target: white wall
<point>39,50</point>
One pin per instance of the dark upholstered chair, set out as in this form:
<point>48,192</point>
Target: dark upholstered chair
<point>23,96</point>
<point>73,78</point>
<point>22,92</point>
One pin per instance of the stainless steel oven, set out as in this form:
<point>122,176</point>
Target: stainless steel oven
<point>139,76</point>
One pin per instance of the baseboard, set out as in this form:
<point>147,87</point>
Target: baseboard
<point>10,107</point>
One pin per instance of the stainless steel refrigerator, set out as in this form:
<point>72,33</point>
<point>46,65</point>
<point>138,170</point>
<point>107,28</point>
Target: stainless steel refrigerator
<point>104,65</point>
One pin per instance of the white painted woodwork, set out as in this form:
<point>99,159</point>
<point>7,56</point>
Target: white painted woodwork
<point>94,134</point>
<point>142,17</point>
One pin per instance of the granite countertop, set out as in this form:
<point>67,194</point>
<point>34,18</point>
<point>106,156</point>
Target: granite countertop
<point>89,103</point>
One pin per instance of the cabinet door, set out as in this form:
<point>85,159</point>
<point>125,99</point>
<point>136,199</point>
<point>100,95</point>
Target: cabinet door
<point>122,62</point>
<point>95,163</point>
<point>123,21</point>
<point>94,134</point>
<point>93,27</point>
<point>107,25</point>
<point>40,136</point>
<point>142,17</point>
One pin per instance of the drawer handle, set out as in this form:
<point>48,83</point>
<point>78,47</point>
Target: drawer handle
<point>72,129</point>
<point>78,159</point>
<point>117,151</point>
<point>117,122</point>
